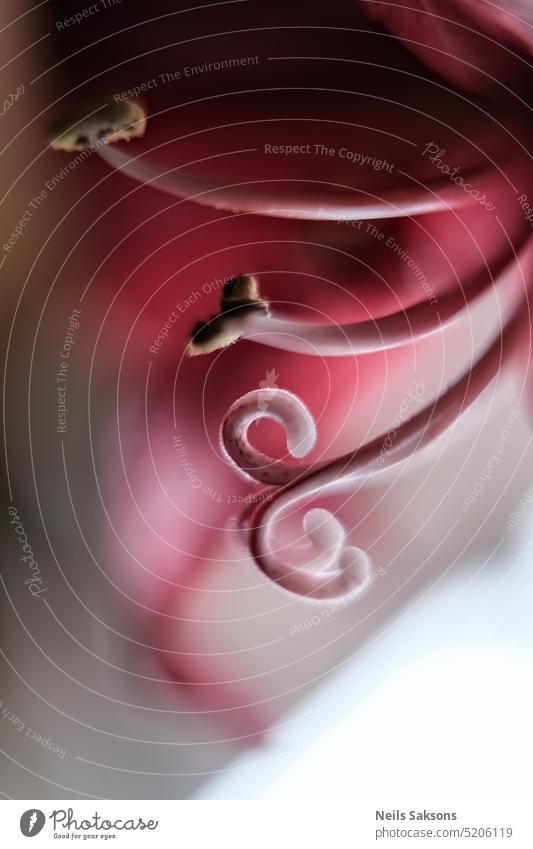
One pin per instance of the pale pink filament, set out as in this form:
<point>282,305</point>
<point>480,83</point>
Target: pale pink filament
<point>337,572</point>
<point>284,198</point>
<point>281,406</point>
<point>398,328</point>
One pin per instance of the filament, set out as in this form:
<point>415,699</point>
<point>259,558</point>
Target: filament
<point>402,327</point>
<point>283,198</point>
<point>337,571</point>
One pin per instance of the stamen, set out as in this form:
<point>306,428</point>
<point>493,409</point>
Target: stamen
<point>399,328</point>
<point>280,198</point>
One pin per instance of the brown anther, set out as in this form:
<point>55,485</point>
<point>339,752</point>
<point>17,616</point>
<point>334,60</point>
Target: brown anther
<point>240,298</point>
<point>111,122</point>
<point>238,290</point>
<point>210,336</point>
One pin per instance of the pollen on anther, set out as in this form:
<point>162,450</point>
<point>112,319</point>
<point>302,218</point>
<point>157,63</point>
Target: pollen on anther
<point>107,122</point>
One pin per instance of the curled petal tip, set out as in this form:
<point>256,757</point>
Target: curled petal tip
<point>109,123</point>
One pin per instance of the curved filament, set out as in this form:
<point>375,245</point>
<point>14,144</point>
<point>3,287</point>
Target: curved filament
<point>399,328</point>
<point>283,407</point>
<point>284,198</point>
<point>336,571</point>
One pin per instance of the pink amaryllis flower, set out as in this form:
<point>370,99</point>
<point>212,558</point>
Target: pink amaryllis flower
<point>341,206</point>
